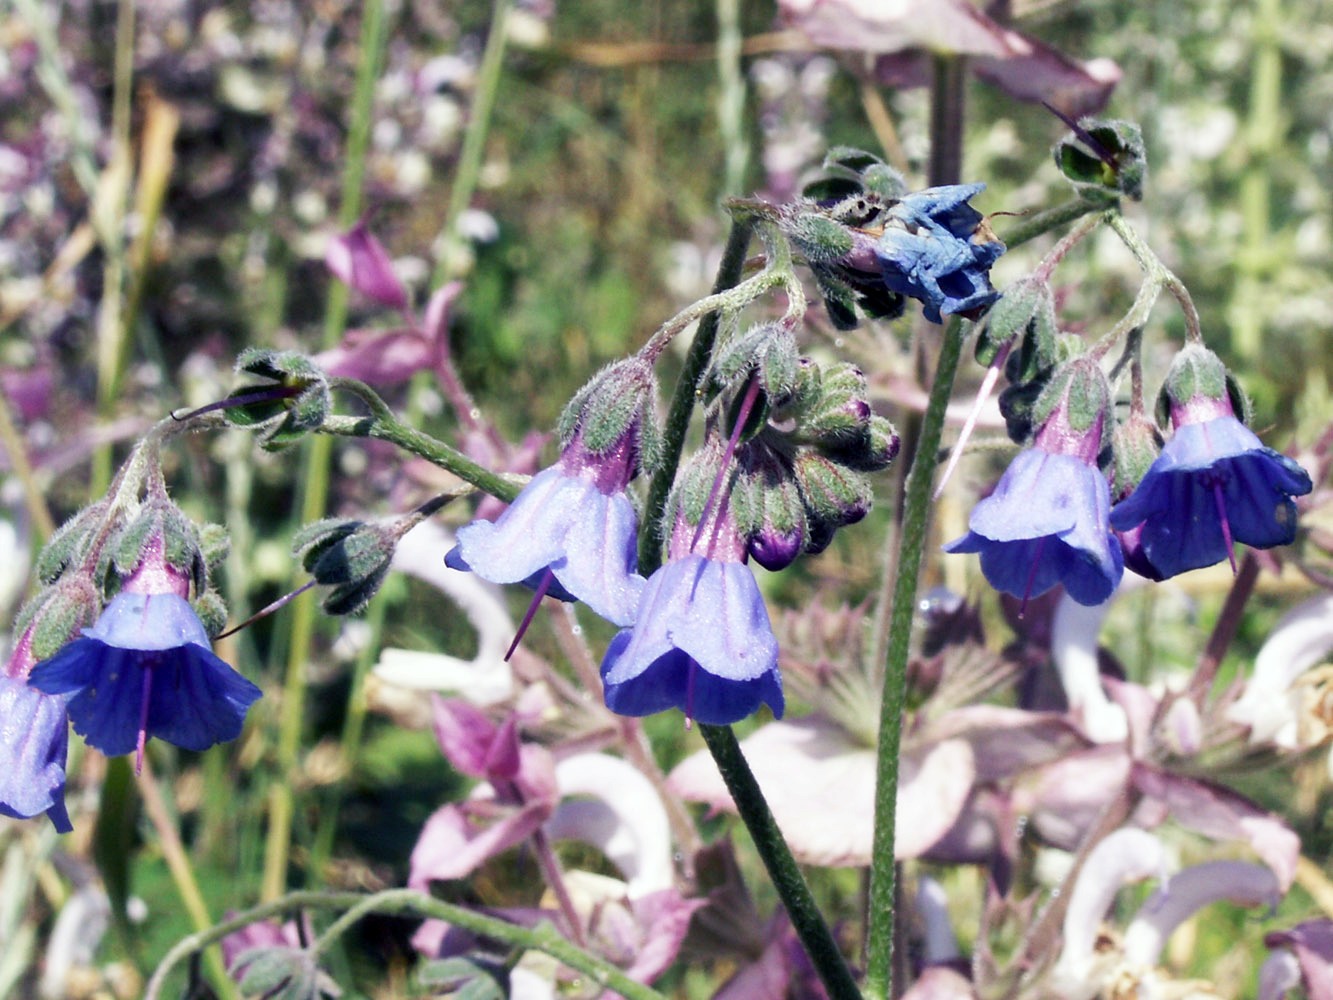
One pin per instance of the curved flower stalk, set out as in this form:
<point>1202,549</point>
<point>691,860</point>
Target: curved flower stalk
<point>1214,484</point>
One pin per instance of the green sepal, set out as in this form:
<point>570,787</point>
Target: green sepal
<point>818,238</point>
<point>1080,390</point>
<point>1107,162</point>
<point>283,973</point>
<point>463,978</point>
<point>884,181</point>
<point>214,545</point>
<point>212,611</point>
<point>352,557</point>
<point>69,542</point>
<point>281,421</point>
<point>841,414</point>
<point>873,451</point>
<point>1135,444</point>
<point>833,494</point>
<point>180,542</point>
<point>616,401</point>
<point>58,614</point>
<point>850,158</point>
<point>839,299</point>
<point>1026,310</point>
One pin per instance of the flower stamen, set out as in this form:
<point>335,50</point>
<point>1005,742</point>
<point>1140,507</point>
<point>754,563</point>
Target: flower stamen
<point>1220,500</point>
<point>537,596</point>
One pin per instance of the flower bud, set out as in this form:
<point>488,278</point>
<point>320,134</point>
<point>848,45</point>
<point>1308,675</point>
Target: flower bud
<point>1135,444</point>
<point>834,495</point>
<point>841,413</point>
<point>212,611</point>
<point>873,451</point>
<point>767,507</point>
<point>769,349</point>
<point>614,408</point>
<point>1071,412</point>
<point>58,613</point>
<point>818,238</point>
<point>350,556</point>
<point>67,545</point>
<point>300,402</point>
<point>1104,160</point>
<point>1198,387</point>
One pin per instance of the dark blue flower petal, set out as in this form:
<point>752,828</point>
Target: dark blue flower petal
<point>931,251</point>
<point>197,700</point>
<point>702,644</point>
<point>106,713</point>
<point>151,643</point>
<point>1207,470</point>
<point>34,738</point>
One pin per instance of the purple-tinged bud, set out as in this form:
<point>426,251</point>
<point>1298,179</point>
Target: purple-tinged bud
<point>359,260</point>
<point>1071,413</point>
<point>842,413</point>
<point>1199,388</point>
<point>160,533</point>
<point>768,508</point>
<point>610,423</point>
<point>56,615</point>
<point>834,495</point>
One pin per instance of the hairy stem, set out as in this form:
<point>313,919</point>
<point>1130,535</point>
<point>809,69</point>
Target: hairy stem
<point>790,884</point>
<point>406,903</point>
<point>911,545</point>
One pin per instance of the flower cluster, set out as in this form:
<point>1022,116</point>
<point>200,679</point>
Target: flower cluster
<point>123,669</point>
<point>789,447</point>
<point>1051,520</point>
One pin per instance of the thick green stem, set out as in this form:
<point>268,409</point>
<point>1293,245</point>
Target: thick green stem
<point>427,447</point>
<point>407,902</point>
<point>791,886</point>
<point>1045,221</point>
<point>911,544</point>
